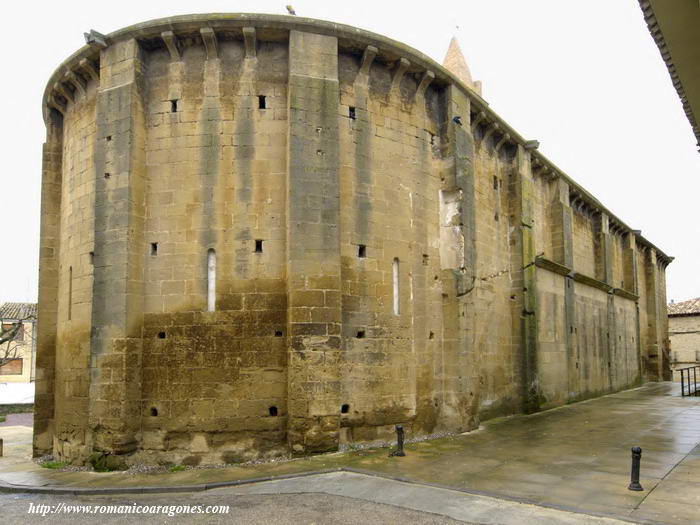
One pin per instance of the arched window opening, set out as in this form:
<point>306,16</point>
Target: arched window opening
<point>211,280</point>
<point>397,301</point>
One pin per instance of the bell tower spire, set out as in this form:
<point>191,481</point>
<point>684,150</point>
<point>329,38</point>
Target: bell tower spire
<point>456,64</point>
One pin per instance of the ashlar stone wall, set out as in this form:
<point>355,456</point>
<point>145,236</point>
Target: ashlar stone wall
<point>265,235</point>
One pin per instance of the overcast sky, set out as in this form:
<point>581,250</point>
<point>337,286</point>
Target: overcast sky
<point>584,78</point>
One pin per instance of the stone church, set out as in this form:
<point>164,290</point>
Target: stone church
<point>266,235</point>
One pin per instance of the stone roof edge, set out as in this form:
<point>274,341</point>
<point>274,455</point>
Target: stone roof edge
<point>657,35</point>
<point>153,28</point>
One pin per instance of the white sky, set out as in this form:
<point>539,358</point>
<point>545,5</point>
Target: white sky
<point>584,78</point>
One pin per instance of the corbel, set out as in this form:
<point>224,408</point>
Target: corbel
<point>399,73</point>
<point>171,43</point>
<point>73,79</point>
<point>65,93</point>
<point>368,57</point>
<point>490,130</point>
<point>250,40</point>
<point>541,170</point>
<point>210,43</point>
<point>505,138</point>
<point>87,66</point>
<point>550,174</point>
<point>52,102</point>
<point>95,39</point>
<point>478,119</point>
<point>425,81</point>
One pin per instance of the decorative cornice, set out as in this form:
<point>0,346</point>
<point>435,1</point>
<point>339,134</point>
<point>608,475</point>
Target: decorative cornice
<point>547,264</point>
<point>244,24</point>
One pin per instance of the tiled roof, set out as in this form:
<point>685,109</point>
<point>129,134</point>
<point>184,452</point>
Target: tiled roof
<point>691,306</point>
<point>17,310</point>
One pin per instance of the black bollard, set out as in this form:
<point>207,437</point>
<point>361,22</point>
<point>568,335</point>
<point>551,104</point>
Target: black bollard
<point>399,442</point>
<point>636,460</point>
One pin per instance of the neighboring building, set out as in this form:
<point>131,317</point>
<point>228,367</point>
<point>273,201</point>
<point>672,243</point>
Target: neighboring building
<point>675,27</point>
<point>684,333</point>
<point>267,234</point>
<point>17,356</point>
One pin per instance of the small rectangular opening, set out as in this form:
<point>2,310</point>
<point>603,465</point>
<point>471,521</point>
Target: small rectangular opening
<point>109,138</point>
<point>258,245</point>
<point>154,248</point>
<point>262,102</point>
<point>107,175</point>
<point>92,258</point>
<point>360,334</point>
<point>173,106</point>
<point>344,409</point>
<point>426,259</point>
<point>362,251</point>
<point>70,292</point>
<point>495,182</point>
<point>351,113</point>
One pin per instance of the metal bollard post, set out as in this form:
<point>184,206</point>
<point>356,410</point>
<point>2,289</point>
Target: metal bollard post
<point>399,442</point>
<point>636,459</point>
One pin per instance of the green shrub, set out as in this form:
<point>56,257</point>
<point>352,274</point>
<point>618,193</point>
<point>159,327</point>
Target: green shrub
<point>54,464</point>
<point>177,468</point>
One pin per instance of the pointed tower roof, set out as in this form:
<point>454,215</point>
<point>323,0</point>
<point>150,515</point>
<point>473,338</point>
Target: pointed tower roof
<point>455,63</point>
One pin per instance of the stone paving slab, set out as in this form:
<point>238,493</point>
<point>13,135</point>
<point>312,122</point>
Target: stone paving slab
<point>575,457</point>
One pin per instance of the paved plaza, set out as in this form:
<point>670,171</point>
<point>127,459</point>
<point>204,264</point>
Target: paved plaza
<point>567,465</point>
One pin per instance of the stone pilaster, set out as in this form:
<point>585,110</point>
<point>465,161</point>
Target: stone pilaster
<point>313,244</point>
<point>461,392</point>
<point>562,230</point>
<point>652,355</point>
<point>563,253</point>
<point>524,192</point>
<point>631,284</point>
<point>603,249</point>
<point>630,264</point>
<point>603,272</point>
<point>115,388</point>
<point>48,285</point>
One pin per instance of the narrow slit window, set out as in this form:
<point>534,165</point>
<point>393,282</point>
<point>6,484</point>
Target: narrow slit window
<point>211,280</point>
<point>273,411</point>
<point>154,412</point>
<point>395,275</point>
<point>70,292</point>
<point>154,249</point>
<point>351,113</point>
<point>426,259</point>
<point>262,102</point>
<point>173,106</point>
<point>92,258</point>
<point>362,251</point>
<point>258,245</point>
<point>495,182</point>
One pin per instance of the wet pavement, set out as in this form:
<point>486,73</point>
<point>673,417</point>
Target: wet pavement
<point>575,458</point>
